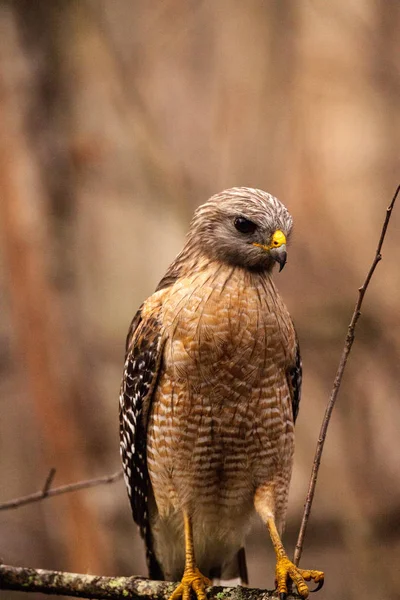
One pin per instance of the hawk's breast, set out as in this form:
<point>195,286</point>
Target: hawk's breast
<point>221,420</point>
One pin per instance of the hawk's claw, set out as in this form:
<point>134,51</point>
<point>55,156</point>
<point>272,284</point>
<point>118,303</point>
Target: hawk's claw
<point>192,580</point>
<point>319,586</point>
<point>287,571</point>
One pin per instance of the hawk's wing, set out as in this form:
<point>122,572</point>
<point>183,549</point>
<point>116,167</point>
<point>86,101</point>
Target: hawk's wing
<point>142,366</point>
<point>294,375</point>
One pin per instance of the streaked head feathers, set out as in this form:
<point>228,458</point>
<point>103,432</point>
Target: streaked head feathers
<point>237,227</point>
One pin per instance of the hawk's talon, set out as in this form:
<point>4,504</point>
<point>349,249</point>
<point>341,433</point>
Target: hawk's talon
<point>286,570</point>
<point>319,586</point>
<point>194,580</point>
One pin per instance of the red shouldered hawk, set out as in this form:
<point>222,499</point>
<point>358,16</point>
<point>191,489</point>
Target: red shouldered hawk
<point>209,397</point>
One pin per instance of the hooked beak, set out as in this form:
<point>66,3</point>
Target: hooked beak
<point>277,248</point>
<point>279,255</point>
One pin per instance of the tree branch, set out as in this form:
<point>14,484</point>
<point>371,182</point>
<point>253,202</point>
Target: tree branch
<point>338,380</point>
<point>92,586</point>
<point>47,492</point>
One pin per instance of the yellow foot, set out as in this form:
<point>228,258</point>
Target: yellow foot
<point>286,570</point>
<point>192,580</point>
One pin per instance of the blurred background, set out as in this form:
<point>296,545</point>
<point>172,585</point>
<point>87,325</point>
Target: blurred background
<point>117,119</point>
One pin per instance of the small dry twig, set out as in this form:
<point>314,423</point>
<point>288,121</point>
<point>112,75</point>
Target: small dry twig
<point>47,492</point>
<point>48,482</point>
<point>336,385</point>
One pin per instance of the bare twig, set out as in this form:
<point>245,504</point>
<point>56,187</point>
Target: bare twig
<point>91,586</point>
<point>48,482</point>
<point>338,380</point>
<point>46,492</point>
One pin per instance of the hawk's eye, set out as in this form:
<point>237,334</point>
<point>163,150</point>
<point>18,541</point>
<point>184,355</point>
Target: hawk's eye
<point>244,225</point>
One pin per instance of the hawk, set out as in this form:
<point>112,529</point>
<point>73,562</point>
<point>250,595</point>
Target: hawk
<point>209,398</point>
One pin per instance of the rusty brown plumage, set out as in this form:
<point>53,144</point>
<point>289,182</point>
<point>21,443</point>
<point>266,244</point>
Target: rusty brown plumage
<point>210,394</point>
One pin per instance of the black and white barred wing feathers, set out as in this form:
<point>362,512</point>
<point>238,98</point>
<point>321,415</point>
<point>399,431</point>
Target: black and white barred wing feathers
<point>142,365</point>
<point>294,375</point>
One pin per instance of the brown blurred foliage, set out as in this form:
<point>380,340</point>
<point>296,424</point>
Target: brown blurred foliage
<point>116,120</point>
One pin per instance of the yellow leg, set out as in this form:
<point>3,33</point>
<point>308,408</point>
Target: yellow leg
<point>192,578</point>
<point>286,570</point>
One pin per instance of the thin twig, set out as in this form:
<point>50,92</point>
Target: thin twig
<point>336,385</point>
<point>103,588</point>
<point>63,489</point>
<point>48,482</point>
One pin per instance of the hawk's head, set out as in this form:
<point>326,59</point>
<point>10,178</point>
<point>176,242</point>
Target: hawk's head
<point>244,227</point>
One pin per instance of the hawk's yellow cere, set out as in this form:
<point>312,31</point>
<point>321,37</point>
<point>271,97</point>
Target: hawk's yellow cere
<point>278,239</point>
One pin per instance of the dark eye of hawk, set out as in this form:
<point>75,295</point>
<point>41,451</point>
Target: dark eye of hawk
<point>244,225</point>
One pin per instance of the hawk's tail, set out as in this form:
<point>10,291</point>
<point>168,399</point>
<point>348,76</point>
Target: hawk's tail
<point>233,573</point>
<point>154,567</point>
<point>242,564</point>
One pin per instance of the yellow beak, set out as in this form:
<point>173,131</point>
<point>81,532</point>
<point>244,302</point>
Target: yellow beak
<point>277,247</point>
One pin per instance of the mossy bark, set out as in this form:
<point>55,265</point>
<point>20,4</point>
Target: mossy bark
<point>92,586</point>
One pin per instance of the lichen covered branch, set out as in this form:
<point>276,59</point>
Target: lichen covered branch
<point>91,586</point>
